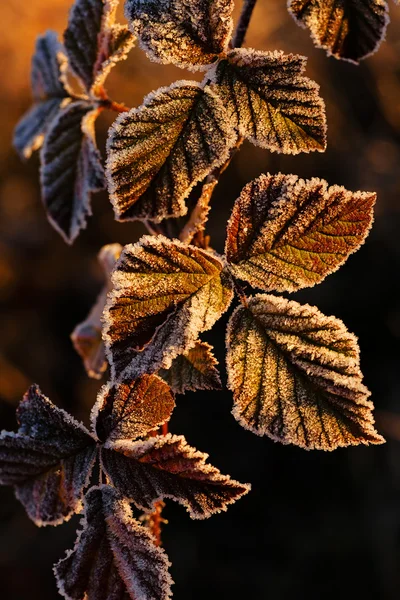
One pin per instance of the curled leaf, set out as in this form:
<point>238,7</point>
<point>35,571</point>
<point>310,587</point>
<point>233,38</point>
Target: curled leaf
<point>295,376</point>
<point>271,102</point>
<point>186,34</point>
<point>132,409</point>
<point>86,336</point>
<point>49,460</point>
<point>167,467</point>
<point>286,233</point>
<point>117,41</point>
<point>347,29</point>
<point>71,169</point>
<point>48,94</point>
<point>165,294</point>
<point>159,151</point>
<point>114,558</point>
<point>194,370</point>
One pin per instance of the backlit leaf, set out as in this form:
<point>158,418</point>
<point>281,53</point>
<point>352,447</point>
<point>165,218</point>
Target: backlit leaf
<point>186,34</point>
<point>286,233</point>
<point>194,370</point>
<point>114,558</point>
<point>348,29</point>
<point>295,376</point>
<point>159,151</point>
<point>71,169</point>
<point>49,460</point>
<point>271,102</point>
<point>132,408</point>
<point>86,336</point>
<point>165,294</point>
<point>167,467</point>
<point>48,94</point>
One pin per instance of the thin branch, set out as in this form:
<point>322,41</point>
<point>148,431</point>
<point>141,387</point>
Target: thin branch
<point>244,21</point>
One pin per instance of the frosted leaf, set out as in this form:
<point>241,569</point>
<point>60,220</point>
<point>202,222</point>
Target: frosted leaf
<point>71,169</point>
<point>347,29</point>
<point>295,376</point>
<point>198,217</point>
<point>271,102</point>
<point>117,41</point>
<point>165,294</point>
<point>194,370</point>
<point>132,409</point>
<point>49,460</point>
<point>167,467</point>
<point>181,32</point>
<point>159,151</point>
<point>86,336</point>
<point>286,233</point>
<point>114,558</point>
<point>48,94</point>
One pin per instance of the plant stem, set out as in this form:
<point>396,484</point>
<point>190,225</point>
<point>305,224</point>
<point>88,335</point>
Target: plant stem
<point>244,21</point>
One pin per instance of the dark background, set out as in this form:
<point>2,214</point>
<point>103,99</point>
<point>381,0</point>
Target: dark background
<point>316,525</point>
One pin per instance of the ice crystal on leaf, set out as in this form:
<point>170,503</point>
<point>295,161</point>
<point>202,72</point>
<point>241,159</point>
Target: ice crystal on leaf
<point>295,376</point>
<point>48,93</point>
<point>49,460</point>
<point>165,294</point>
<point>71,168</point>
<point>86,336</point>
<point>270,100</point>
<point>182,32</point>
<point>114,557</point>
<point>347,29</point>
<point>286,233</point>
<point>159,151</point>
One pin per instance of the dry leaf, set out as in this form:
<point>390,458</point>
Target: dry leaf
<point>194,370</point>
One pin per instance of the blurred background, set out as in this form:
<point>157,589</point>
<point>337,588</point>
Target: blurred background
<point>316,525</point>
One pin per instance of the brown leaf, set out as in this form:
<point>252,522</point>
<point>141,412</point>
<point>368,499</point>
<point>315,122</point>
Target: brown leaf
<point>165,294</point>
<point>194,370</point>
<point>167,467</point>
<point>295,376</point>
<point>286,233</point>
<point>114,558</point>
<point>347,29</point>
<point>271,102</point>
<point>159,151</point>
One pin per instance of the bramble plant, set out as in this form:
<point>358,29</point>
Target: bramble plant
<point>294,372</point>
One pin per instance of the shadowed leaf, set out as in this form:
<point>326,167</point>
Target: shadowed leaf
<point>114,558</point>
<point>295,376</point>
<point>48,94</point>
<point>159,151</point>
<point>271,102</point>
<point>86,336</point>
<point>286,233</point>
<point>49,460</point>
<point>165,294</point>
<point>71,169</point>
<point>167,467</point>
<point>347,29</point>
<point>132,409</point>
<point>186,34</point>
<point>194,370</point>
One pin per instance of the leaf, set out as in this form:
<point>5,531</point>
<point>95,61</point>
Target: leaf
<point>295,376</point>
<point>165,294</point>
<point>186,34</point>
<point>132,409</point>
<point>48,94</point>
<point>49,460</point>
<point>114,558</point>
<point>71,169</point>
<point>286,233</point>
<point>86,336</point>
<point>93,43</point>
<point>167,467</point>
<point>194,370</point>
<point>271,102</point>
<point>159,151</point>
<point>347,29</point>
